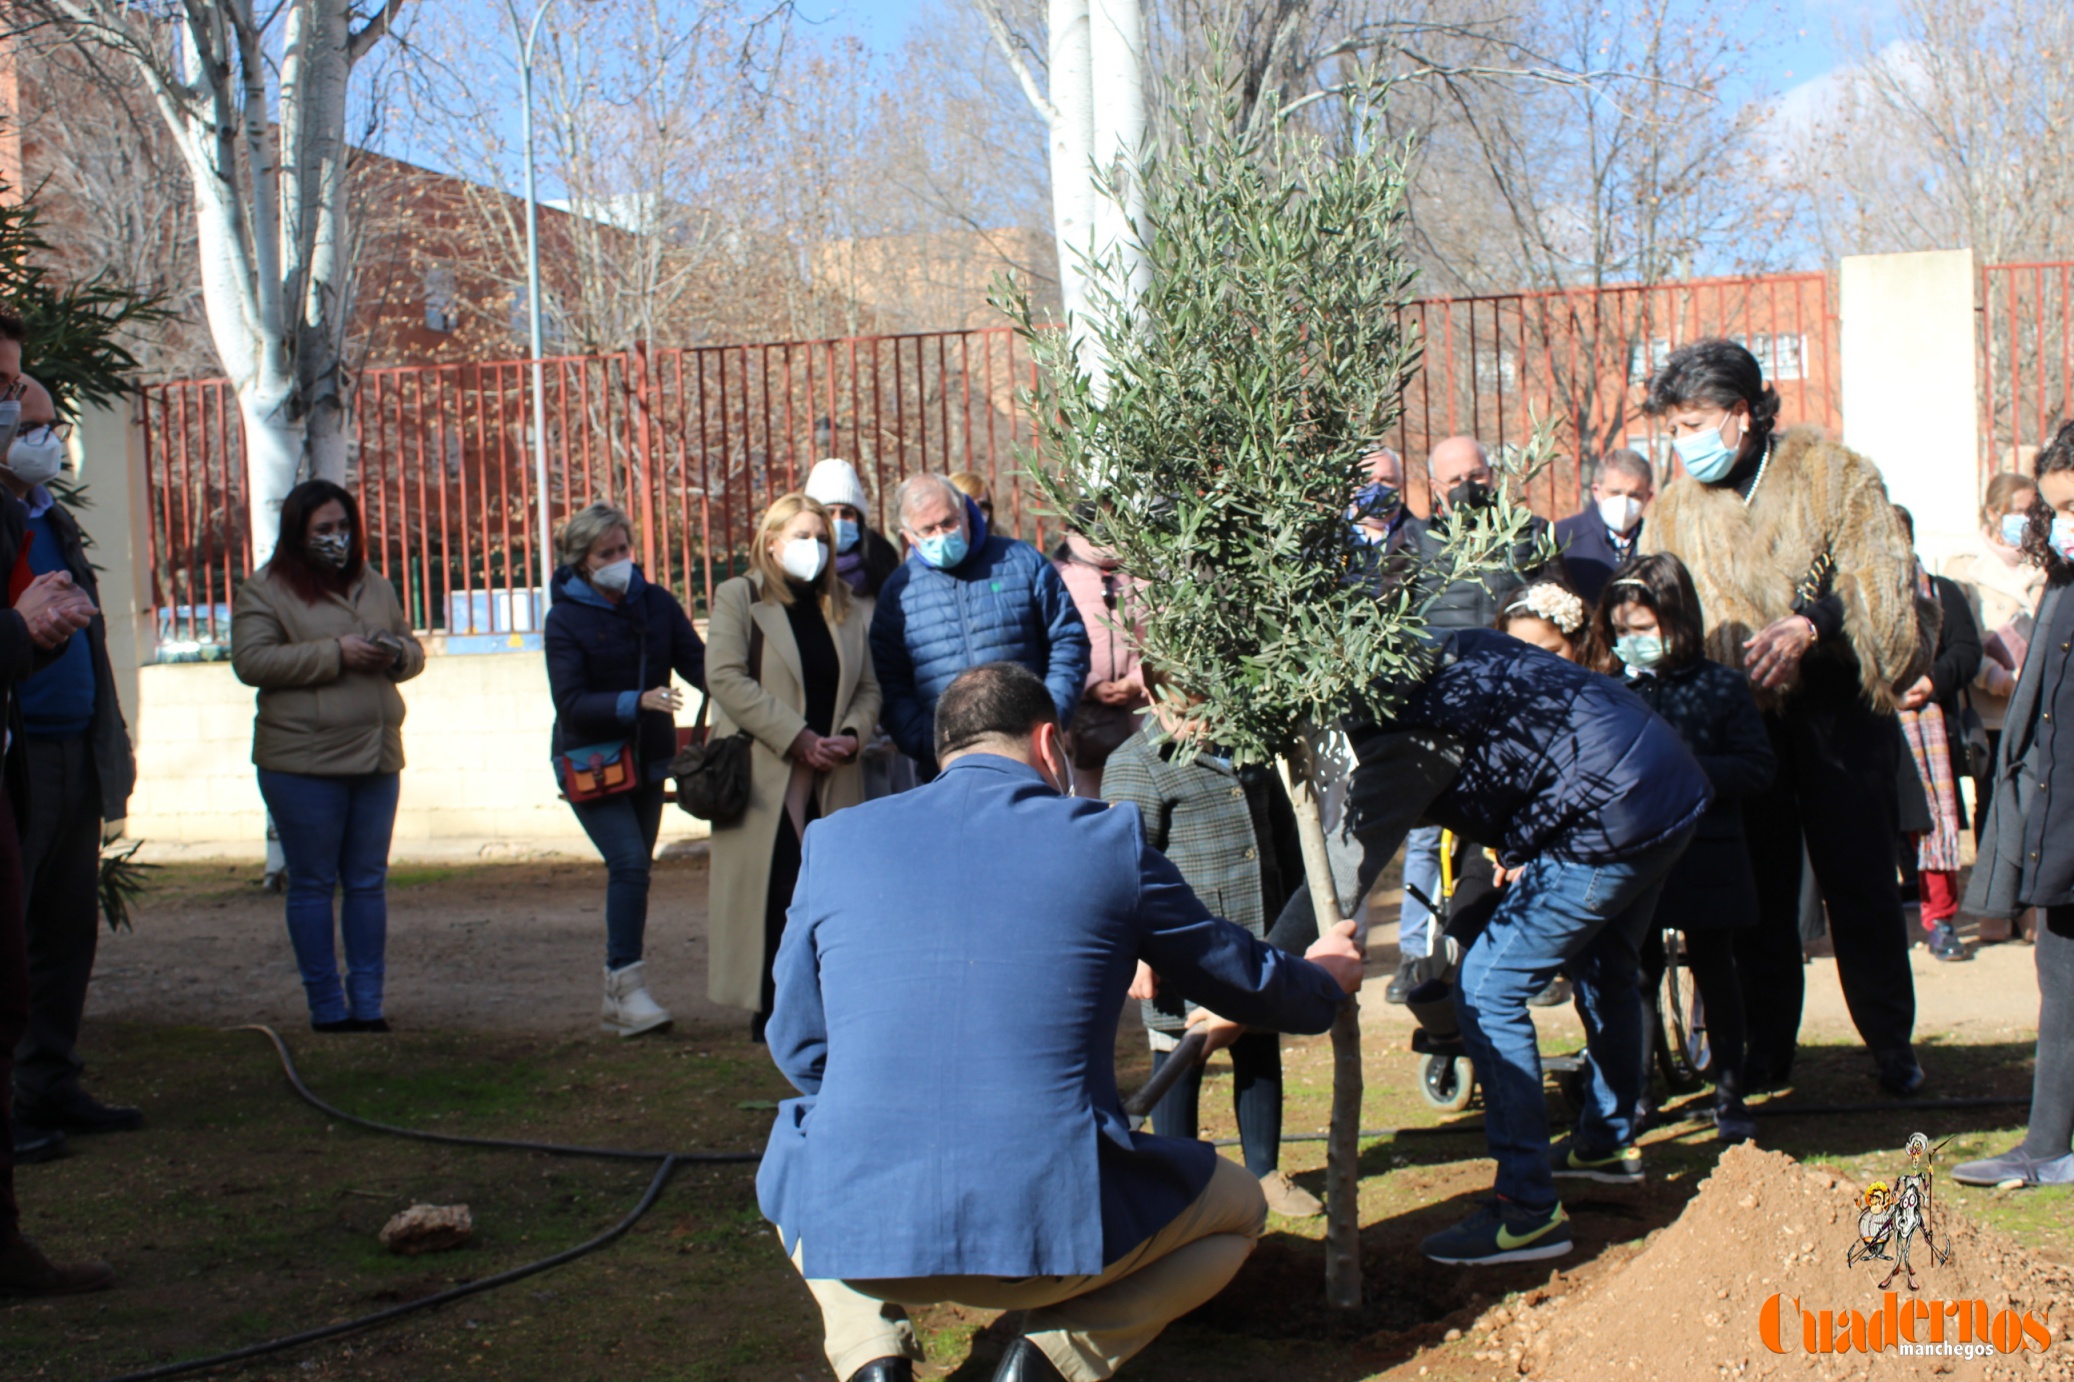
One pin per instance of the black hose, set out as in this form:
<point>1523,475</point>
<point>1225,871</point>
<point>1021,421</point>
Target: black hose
<point>670,1162</point>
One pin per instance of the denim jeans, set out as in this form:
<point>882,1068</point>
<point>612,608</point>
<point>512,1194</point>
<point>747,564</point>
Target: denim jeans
<point>1586,921</point>
<point>1256,1077</point>
<point>1421,871</point>
<point>624,827</point>
<point>335,833</point>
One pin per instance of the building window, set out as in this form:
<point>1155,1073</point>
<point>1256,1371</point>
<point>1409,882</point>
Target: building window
<point>440,308</point>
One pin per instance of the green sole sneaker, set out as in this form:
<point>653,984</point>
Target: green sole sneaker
<point>1620,1167</point>
<point>1498,1233</point>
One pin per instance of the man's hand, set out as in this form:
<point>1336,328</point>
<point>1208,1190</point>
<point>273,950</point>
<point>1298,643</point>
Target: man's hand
<point>1774,655</point>
<point>1218,1032</point>
<point>1337,954</point>
<point>54,609</point>
<point>363,654</point>
<point>1501,875</point>
<point>1918,695</point>
<point>1144,984</point>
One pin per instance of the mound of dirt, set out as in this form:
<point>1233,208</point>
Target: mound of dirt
<point>1691,1303</point>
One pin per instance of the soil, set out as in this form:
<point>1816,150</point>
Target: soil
<point>1686,1301</point>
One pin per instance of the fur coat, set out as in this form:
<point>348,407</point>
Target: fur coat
<point>1815,496</point>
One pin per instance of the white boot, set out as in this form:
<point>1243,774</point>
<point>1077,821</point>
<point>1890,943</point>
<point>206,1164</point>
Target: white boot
<point>628,1010</point>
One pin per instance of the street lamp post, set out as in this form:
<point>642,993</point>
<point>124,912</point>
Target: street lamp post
<point>527,43</point>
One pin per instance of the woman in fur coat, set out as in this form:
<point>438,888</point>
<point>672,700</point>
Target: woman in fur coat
<point>1807,580</point>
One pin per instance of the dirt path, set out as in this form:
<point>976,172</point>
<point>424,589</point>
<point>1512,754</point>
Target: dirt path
<point>519,947</point>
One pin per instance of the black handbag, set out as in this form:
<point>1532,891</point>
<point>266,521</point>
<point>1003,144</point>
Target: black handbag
<point>1973,732</point>
<point>713,775</point>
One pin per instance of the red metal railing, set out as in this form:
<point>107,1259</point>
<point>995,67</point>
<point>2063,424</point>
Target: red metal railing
<point>2027,360</point>
<point>695,442</point>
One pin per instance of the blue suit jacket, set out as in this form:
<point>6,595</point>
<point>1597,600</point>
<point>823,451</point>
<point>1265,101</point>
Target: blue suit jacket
<point>948,989</point>
<point>1588,551</point>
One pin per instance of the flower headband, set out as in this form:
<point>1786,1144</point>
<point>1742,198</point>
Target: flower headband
<point>1547,600</point>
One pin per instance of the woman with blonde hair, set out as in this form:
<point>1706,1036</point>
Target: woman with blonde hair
<point>786,661</point>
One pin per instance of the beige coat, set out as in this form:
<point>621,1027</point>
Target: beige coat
<point>314,716</point>
<point>1815,496</point>
<point>2000,587</point>
<point>774,712</point>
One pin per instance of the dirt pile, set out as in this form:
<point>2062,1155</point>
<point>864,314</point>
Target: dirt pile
<point>1691,1304</point>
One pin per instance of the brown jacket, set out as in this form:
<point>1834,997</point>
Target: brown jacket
<point>314,716</point>
<point>1814,496</point>
<point>773,710</point>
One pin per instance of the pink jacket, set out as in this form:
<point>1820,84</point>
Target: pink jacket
<point>1113,658</point>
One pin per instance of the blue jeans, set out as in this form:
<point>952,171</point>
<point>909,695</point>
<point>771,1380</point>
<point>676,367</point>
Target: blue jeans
<point>1586,921</point>
<point>1421,871</point>
<point>624,827</point>
<point>335,833</point>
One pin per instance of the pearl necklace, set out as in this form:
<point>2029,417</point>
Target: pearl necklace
<point>1762,466</point>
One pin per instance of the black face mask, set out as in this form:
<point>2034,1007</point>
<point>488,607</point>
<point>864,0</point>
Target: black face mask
<point>1470,494</point>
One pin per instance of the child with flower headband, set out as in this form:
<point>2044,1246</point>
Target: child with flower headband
<point>1548,614</point>
<point>1648,630</point>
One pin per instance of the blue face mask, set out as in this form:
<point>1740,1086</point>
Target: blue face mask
<point>2014,526</point>
<point>846,534</point>
<point>1374,501</point>
<point>945,550</point>
<point>1639,651</point>
<point>1707,458</point>
<point>2063,535</point>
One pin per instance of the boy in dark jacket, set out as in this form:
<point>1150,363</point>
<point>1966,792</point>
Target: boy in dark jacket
<point>1588,799</point>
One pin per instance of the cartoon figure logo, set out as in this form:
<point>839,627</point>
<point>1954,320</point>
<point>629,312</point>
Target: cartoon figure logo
<point>1890,1219</point>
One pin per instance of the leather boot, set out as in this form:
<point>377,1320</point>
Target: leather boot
<point>885,1370</point>
<point>628,1010</point>
<point>25,1271</point>
<point>1025,1362</point>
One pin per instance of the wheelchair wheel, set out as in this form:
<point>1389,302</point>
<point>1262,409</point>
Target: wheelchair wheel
<point>1447,1082</point>
<point>1682,1051</point>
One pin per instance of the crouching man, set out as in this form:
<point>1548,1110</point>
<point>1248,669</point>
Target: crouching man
<point>948,990</point>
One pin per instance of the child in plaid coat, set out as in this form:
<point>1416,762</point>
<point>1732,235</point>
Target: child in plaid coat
<point>1232,834</point>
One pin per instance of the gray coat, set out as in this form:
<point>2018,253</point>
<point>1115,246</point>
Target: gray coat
<point>2000,881</point>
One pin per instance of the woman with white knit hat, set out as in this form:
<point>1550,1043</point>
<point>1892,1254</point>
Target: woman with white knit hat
<point>863,560</point>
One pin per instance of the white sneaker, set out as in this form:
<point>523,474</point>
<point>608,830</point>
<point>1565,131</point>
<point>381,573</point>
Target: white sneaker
<point>628,1010</point>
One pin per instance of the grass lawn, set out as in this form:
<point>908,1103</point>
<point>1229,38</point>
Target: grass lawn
<point>241,1213</point>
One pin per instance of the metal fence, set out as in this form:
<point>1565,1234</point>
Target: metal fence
<point>695,442</point>
<point>2027,360</point>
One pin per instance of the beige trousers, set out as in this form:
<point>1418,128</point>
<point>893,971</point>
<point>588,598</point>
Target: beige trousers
<point>1088,1326</point>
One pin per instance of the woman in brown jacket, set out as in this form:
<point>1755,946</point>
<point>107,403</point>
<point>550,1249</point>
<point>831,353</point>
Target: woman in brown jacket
<point>806,693</point>
<point>325,640</point>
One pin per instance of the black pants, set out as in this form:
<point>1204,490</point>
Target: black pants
<point>1710,952</point>
<point>61,863</point>
<point>14,1004</point>
<point>2052,1084</point>
<point>1835,791</point>
<point>777,901</point>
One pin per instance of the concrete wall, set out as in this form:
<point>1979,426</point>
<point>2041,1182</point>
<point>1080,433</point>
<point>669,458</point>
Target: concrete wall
<point>1909,395</point>
<point>477,781</point>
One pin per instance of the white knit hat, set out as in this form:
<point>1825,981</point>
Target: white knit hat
<point>835,481</point>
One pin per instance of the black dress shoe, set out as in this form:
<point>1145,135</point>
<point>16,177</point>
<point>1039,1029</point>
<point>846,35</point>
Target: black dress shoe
<point>34,1144</point>
<point>1025,1362</point>
<point>370,1024</point>
<point>885,1370</point>
<point>81,1113</point>
<point>25,1271</point>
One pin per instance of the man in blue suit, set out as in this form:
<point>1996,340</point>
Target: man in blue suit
<point>948,990</point>
<point>1598,541</point>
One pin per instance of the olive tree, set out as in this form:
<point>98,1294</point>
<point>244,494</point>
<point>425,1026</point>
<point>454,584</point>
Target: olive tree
<point>1256,350</point>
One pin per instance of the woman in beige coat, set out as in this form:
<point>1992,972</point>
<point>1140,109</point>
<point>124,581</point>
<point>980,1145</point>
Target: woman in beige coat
<point>786,660</point>
<point>325,640</point>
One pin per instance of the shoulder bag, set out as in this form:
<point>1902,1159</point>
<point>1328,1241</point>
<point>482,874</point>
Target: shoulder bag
<point>713,777</point>
<point>604,770</point>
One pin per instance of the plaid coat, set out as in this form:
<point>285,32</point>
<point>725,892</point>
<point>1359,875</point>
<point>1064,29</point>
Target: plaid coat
<point>1231,833</point>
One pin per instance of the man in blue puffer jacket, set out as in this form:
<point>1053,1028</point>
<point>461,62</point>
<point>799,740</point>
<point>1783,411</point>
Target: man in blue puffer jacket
<point>963,597</point>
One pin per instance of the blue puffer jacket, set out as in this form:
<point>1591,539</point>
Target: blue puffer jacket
<point>1556,759</point>
<point>602,655</point>
<point>1003,603</point>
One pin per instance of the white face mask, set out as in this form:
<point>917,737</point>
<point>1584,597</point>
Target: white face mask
<point>36,456</point>
<point>803,557</point>
<point>614,576</point>
<point>1620,512</point>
